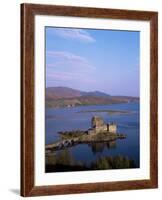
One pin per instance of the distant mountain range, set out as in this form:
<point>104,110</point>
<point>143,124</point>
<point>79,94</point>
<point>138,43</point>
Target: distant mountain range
<point>68,97</point>
<point>95,93</point>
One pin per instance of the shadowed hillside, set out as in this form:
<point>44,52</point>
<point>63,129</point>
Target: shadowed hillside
<point>68,97</point>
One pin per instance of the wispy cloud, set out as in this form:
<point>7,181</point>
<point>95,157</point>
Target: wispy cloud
<point>74,34</point>
<point>65,58</point>
<point>65,66</point>
<point>61,75</point>
<point>67,76</point>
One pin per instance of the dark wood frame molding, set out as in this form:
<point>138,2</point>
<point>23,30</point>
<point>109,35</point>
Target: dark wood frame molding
<point>28,12</point>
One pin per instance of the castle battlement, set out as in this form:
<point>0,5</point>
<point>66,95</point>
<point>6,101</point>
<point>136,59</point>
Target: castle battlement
<point>98,125</point>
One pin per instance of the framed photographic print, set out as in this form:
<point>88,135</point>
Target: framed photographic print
<point>88,99</point>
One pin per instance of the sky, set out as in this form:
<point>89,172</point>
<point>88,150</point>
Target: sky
<point>93,60</point>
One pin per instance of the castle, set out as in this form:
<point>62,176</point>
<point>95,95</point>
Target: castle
<point>99,132</point>
<point>98,126</point>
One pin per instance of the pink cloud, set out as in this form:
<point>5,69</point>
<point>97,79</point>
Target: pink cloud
<point>67,76</point>
<point>63,58</point>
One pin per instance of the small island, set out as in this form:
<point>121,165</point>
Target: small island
<point>99,132</point>
<point>110,112</point>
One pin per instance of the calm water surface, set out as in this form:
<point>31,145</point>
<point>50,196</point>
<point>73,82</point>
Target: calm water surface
<point>64,119</point>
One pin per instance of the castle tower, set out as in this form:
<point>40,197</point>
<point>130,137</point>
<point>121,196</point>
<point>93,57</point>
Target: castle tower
<point>112,127</point>
<point>98,124</point>
<point>96,121</point>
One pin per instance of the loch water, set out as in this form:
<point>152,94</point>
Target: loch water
<point>66,119</point>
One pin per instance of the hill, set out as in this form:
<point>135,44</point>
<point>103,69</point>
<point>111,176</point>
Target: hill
<point>68,97</point>
<point>53,93</point>
<point>95,93</point>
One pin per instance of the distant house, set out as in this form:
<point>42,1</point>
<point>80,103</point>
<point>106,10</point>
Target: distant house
<point>70,105</point>
<point>98,126</point>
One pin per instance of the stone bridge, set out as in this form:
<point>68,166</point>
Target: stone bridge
<point>61,144</point>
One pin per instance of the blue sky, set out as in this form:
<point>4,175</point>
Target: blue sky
<point>88,60</point>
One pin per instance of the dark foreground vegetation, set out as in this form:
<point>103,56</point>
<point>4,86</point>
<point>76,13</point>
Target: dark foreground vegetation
<point>63,162</point>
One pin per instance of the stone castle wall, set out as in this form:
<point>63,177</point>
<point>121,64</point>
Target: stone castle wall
<point>101,128</point>
<point>98,125</point>
<point>112,128</point>
<point>97,122</point>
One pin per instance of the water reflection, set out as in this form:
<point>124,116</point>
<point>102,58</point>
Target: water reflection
<point>63,160</point>
<point>59,120</point>
<point>100,146</point>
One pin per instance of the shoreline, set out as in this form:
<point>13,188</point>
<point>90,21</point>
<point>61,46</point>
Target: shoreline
<point>93,104</point>
<point>110,112</point>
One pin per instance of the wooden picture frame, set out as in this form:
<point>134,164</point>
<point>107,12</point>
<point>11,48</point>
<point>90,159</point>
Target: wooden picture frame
<point>28,12</point>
